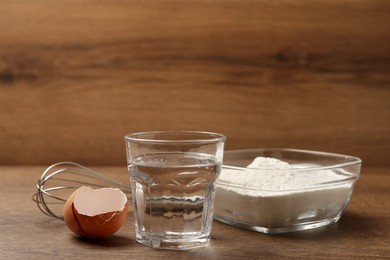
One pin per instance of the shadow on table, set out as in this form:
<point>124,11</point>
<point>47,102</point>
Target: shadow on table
<point>113,241</point>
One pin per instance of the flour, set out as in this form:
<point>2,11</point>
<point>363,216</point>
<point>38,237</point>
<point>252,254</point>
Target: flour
<point>275,176</point>
<point>269,163</point>
<point>276,194</point>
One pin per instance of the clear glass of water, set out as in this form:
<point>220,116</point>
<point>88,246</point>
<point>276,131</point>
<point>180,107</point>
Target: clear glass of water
<point>172,175</point>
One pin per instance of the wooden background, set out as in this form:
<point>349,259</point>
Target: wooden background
<point>77,75</point>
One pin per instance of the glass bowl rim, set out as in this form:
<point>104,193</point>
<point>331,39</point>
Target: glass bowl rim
<point>352,160</point>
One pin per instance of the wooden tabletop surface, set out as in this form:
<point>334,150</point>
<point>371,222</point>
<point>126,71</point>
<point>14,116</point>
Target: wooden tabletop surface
<point>362,232</point>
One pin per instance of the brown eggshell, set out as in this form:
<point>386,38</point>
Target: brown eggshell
<point>70,218</point>
<point>99,226</point>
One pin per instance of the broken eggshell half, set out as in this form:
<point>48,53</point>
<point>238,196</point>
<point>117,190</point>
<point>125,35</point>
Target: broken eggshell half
<point>95,212</point>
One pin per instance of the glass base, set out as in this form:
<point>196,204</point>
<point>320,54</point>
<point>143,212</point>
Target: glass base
<point>173,240</point>
<point>279,230</point>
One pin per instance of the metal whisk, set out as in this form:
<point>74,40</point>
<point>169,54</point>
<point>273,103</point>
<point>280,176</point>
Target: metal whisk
<point>59,180</point>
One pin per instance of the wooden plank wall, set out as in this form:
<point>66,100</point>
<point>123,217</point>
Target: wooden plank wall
<point>77,75</point>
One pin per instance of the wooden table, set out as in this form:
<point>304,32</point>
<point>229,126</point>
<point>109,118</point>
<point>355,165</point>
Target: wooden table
<point>363,232</point>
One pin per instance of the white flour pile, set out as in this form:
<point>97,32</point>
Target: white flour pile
<point>274,195</point>
<point>272,177</point>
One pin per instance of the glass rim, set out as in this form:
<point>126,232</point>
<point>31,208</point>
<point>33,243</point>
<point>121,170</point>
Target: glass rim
<point>204,137</point>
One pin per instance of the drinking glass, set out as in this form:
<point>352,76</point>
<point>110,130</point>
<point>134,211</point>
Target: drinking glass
<point>172,175</point>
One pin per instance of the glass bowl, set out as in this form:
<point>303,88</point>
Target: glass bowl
<point>313,191</point>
